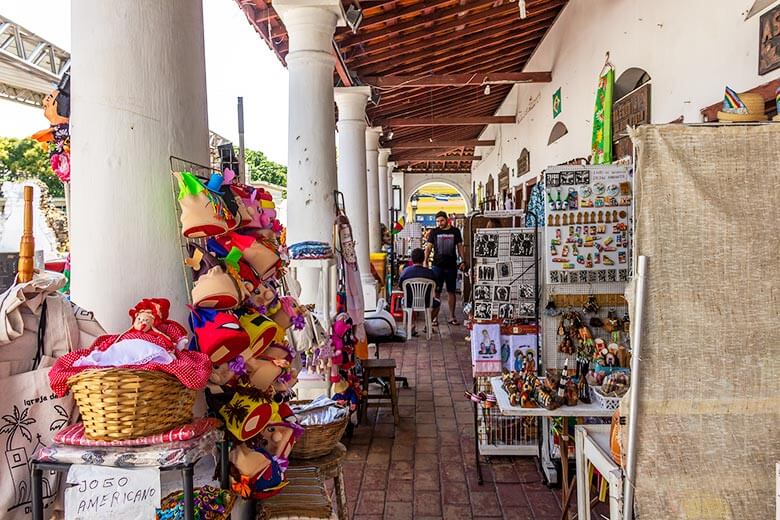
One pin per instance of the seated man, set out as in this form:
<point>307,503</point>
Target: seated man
<point>418,270</point>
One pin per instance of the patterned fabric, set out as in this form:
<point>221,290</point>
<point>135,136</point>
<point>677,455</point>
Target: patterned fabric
<point>536,206</point>
<point>602,120</point>
<point>73,435</point>
<point>161,455</point>
<point>310,250</point>
<point>210,504</point>
<point>191,368</point>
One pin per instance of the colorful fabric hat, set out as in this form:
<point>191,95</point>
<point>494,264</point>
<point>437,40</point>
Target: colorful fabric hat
<point>262,484</point>
<point>290,313</point>
<point>261,330</point>
<point>218,334</point>
<point>213,287</point>
<point>248,413</point>
<point>260,254</point>
<point>203,213</point>
<point>744,107</point>
<point>263,371</point>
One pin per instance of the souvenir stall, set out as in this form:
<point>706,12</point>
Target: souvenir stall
<point>139,392</point>
<point>503,305</point>
<point>574,365</point>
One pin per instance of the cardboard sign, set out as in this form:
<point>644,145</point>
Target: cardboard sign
<point>486,348</point>
<point>101,492</point>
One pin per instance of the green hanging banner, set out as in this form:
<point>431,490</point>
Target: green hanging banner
<point>601,147</point>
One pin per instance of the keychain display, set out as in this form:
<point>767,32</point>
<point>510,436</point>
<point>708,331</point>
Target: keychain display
<point>588,221</point>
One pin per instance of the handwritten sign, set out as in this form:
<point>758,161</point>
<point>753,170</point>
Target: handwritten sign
<point>100,492</point>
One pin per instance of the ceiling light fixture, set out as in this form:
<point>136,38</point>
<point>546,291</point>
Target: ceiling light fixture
<point>487,89</point>
<point>390,135</point>
<point>523,12</point>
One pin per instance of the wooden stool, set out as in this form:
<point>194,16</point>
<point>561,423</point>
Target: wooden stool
<point>329,466</point>
<point>376,369</point>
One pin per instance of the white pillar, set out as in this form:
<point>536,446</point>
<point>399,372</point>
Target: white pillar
<point>139,96</point>
<point>384,154</point>
<point>351,102</point>
<point>372,174</point>
<point>311,142</point>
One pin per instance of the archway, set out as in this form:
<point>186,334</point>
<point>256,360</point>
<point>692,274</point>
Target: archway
<point>630,80</point>
<point>460,182</point>
<point>431,197</point>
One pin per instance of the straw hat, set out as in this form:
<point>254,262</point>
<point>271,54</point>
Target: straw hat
<point>754,104</point>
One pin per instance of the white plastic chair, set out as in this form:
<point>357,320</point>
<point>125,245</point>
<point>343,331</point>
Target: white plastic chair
<point>420,287</point>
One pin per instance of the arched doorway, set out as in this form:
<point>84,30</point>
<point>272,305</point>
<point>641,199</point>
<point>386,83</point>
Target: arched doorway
<point>431,197</point>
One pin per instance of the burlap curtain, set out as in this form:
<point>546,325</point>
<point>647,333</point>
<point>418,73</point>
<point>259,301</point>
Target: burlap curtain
<point>707,204</point>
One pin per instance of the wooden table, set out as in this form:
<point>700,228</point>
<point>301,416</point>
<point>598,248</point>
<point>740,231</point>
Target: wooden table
<point>329,466</point>
<point>581,410</point>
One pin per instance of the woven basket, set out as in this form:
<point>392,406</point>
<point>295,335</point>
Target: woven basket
<point>319,439</point>
<point>117,403</point>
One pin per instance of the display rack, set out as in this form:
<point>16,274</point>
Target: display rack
<point>497,435</point>
<point>580,280</point>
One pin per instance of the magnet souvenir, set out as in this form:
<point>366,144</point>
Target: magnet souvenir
<point>608,261</point>
<point>568,266</point>
<point>622,257</point>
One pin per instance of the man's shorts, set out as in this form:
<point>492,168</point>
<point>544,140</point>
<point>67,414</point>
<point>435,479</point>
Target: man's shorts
<point>448,277</point>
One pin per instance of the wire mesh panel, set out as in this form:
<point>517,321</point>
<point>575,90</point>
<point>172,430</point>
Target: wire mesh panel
<point>502,435</point>
<point>505,261</point>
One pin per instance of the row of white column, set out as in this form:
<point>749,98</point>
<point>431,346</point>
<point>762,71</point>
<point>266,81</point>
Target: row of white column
<point>134,106</point>
<point>361,174</point>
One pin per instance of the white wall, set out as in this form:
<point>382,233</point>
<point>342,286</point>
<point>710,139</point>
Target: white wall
<point>690,48</point>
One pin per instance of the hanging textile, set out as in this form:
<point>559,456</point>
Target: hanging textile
<point>601,147</point>
<point>353,284</point>
<point>536,206</point>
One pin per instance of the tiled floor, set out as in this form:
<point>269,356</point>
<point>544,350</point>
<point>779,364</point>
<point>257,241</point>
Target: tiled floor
<point>424,467</point>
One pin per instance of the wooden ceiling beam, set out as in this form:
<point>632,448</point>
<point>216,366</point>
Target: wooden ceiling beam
<point>429,43</point>
<point>434,158</point>
<point>458,80</point>
<point>465,56</point>
<point>443,172</point>
<point>459,11</point>
<point>450,121</point>
<point>394,14</point>
<point>421,145</point>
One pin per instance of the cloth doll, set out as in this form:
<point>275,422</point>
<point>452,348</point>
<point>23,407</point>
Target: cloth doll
<point>152,343</point>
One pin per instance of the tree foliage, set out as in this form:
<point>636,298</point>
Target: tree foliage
<point>263,169</point>
<point>24,158</point>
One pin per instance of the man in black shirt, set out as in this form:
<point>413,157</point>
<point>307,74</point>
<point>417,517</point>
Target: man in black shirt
<point>446,243</point>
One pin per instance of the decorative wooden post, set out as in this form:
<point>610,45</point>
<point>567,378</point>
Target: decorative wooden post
<point>27,243</point>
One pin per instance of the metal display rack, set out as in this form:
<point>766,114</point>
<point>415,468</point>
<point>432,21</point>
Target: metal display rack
<point>494,434</point>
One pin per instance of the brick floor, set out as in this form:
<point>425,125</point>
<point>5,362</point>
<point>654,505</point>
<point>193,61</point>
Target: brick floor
<point>424,467</point>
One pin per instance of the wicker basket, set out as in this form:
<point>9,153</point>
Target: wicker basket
<point>319,439</point>
<point>117,403</point>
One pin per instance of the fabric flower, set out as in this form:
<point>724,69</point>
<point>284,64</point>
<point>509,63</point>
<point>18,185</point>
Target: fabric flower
<point>299,322</point>
<point>238,366</point>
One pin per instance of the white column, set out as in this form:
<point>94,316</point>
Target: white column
<point>372,174</point>
<point>384,154</point>
<point>139,96</point>
<point>351,102</point>
<point>311,142</point>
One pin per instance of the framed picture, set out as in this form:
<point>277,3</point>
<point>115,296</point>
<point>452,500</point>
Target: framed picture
<point>486,272</point>
<point>506,311</point>
<point>526,309</point>
<point>769,41</point>
<point>521,244</point>
<point>486,245</point>
<point>483,293</point>
<point>504,269</point>
<point>483,311</point>
<point>526,290</point>
<point>501,293</point>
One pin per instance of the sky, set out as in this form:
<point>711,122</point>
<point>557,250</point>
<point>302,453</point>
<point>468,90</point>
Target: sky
<point>238,63</point>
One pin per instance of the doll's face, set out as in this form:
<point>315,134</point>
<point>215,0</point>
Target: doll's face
<point>276,439</point>
<point>144,320</point>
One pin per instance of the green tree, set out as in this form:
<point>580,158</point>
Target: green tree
<point>24,158</point>
<point>263,169</point>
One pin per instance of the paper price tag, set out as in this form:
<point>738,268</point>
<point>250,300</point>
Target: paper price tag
<point>100,492</point>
